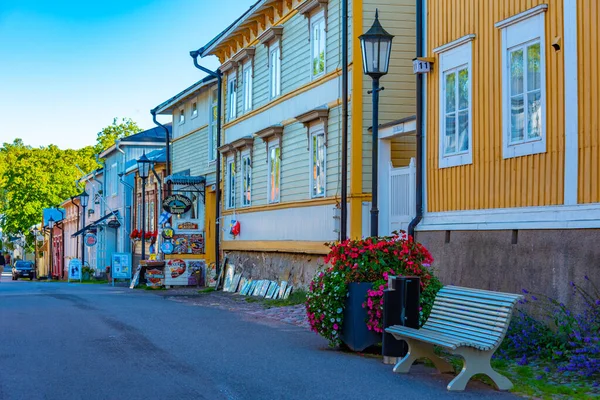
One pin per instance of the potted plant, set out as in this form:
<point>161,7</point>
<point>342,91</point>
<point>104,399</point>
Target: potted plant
<point>345,299</point>
<point>135,235</point>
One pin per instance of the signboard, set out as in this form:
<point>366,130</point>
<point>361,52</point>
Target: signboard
<point>113,223</point>
<point>75,269</point>
<point>187,225</point>
<point>177,204</point>
<point>90,239</point>
<point>167,247</point>
<point>121,266</point>
<point>136,277</point>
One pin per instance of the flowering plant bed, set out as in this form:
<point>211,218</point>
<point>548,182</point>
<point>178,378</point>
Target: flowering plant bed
<point>368,260</point>
<point>135,235</point>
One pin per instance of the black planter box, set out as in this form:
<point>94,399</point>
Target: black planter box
<point>354,328</point>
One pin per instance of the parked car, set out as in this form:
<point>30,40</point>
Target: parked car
<point>22,269</point>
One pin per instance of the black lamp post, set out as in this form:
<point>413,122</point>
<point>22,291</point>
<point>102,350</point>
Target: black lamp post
<point>35,257</point>
<point>51,247</point>
<point>376,46</point>
<point>83,199</point>
<point>144,165</point>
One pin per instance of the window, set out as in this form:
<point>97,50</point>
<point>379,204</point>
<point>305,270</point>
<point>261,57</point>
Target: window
<point>524,85</point>
<point>317,164</point>
<point>231,183</point>
<point>247,77</point>
<point>194,109</point>
<point>455,106</point>
<point>317,38</point>
<point>275,69</point>
<point>247,180</point>
<point>274,173</point>
<point>232,96</point>
<point>113,180</point>
<point>181,116</point>
<point>212,132</point>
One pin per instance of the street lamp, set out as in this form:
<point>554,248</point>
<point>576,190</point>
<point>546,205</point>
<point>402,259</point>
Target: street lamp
<point>35,231</point>
<point>84,198</point>
<point>144,165</point>
<point>51,247</point>
<point>376,46</point>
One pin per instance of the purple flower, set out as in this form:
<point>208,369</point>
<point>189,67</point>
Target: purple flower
<point>539,377</point>
<point>525,291</point>
<point>533,297</point>
<point>586,278</point>
<point>547,369</point>
<point>598,302</point>
<point>572,284</point>
<point>522,361</point>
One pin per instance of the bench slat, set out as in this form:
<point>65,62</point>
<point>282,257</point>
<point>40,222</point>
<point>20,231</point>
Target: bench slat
<point>474,342</point>
<point>483,307</point>
<point>461,320</point>
<point>487,340</point>
<point>462,327</point>
<point>474,300</point>
<point>439,339</point>
<point>513,296</point>
<point>484,313</point>
<point>469,316</point>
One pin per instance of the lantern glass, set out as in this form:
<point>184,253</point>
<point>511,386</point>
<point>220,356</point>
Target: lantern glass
<point>144,165</point>
<point>51,223</point>
<point>84,198</point>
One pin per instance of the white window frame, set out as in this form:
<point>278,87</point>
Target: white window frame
<point>273,145</point>
<point>212,126</point>
<point>318,18</point>
<point>275,70</point>
<point>246,171</point>
<point>194,109</point>
<point>231,97</point>
<point>454,57</point>
<point>231,197</point>
<point>521,31</point>
<point>247,84</point>
<point>181,116</point>
<point>317,130</point>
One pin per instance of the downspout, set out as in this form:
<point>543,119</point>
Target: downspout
<point>167,144</point>
<point>419,123</point>
<point>78,222</point>
<point>219,75</point>
<point>62,249</point>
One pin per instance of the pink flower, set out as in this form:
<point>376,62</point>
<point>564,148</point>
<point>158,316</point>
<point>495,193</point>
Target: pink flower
<point>335,327</point>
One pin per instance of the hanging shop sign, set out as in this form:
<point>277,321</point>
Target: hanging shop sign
<point>177,204</point>
<point>167,233</point>
<point>167,247</point>
<point>113,223</point>
<point>90,239</point>
<point>187,226</point>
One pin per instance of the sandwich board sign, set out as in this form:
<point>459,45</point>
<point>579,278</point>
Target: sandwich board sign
<point>75,269</point>
<point>121,266</point>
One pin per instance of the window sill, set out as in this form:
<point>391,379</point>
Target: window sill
<point>457,160</point>
<point>194,116</point>
<point>524,149</point>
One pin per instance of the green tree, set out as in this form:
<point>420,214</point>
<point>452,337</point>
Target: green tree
<point>118,130</point>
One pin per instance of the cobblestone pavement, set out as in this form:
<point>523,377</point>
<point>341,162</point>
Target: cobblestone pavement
<point>294,315</point>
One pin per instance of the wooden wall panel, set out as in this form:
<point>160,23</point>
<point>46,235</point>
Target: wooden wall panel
<point>491,181</point>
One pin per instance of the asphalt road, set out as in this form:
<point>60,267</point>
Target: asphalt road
<point>73,341</point>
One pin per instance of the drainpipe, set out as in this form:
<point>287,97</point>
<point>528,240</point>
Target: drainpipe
<point>344,194</point>
<point>219,75</point>
<point>167,144</point>
<point>78,221</point>
<point>419,122</point>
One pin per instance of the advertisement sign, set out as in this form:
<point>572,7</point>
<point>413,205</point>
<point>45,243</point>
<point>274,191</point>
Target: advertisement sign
<point>167,247</point>
<point>75,269</point>
<point>90,239</point>
<point>177,204</point>
<point>121,266</point>
<point>176,273</point>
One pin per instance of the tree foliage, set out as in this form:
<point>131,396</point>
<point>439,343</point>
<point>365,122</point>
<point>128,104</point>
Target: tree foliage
<point>32,179</point>
<point>118,130</point>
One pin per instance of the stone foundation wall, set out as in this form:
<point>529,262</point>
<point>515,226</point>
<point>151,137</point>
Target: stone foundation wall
<point>298,269</point>
<point>543,261</point>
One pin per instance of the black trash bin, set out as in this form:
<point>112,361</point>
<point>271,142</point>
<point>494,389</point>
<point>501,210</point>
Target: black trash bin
<point>400,307</point>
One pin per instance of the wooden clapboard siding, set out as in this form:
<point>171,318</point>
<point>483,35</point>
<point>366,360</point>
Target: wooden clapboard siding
<point>295,65</point>
<point>491,181</point>
<point>398,100</point>
<point>588,33</point>
<point>403,149</point>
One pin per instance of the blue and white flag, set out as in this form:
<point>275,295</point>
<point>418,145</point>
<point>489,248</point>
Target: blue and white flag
<point>164,218</point>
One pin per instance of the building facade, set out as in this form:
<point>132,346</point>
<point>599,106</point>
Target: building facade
<point>281,149</point>
<point>512,188</point>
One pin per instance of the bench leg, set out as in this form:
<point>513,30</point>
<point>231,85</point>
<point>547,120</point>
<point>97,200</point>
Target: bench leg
<point>477,362</point>
<point>418,350</point>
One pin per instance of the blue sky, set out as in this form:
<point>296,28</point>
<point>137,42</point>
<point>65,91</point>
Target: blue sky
<point>67,67</point>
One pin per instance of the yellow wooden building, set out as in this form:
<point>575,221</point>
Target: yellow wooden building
<point>511,141</point>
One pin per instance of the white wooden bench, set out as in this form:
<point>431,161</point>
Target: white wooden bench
<point>468,322</point>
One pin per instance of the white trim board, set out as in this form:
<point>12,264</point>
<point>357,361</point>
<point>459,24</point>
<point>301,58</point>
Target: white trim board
<point>571,102</point>
<point>521,16</point>
<point>455,43</point>
<point>583,216</point>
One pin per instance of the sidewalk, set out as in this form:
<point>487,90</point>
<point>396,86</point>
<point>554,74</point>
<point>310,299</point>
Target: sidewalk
<point>294,315</point>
